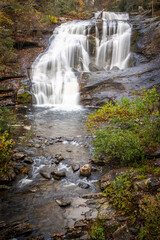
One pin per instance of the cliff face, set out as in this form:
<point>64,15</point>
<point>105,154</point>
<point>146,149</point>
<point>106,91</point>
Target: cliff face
<point>16,74</point>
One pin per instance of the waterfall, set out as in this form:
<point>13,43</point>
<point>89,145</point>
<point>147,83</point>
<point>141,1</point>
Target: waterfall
<point>114,47</point>
<point>55,72</point>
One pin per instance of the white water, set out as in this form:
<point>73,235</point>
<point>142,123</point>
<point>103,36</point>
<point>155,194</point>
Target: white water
<point>114,47</point>
<point>54,73</point>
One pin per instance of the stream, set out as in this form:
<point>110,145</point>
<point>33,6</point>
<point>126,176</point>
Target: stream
<point>33,198</point>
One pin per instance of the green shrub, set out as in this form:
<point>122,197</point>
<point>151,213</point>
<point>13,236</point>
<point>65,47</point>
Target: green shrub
<point>97,231</point>
<point>6,46</point>
<point>123,145</point>
<point>149,208</point>
<point>121,195</point>
<point>128,130</point>
<point>7,120</point>
<point>49,19</point>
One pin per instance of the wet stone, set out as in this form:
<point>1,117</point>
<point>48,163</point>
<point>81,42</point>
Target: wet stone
<point>75,167</point>
<point>19,227</point>
<point>58,174</point>
<point>18,167</point>
<point>18,156</point>
<point>28,161</point>
<point>85,170</point>
<point>80,224</point>
<point>37,145</point>
<point>83,185</point>
<point>59,157</point>
<point>45,174</point>
<point>63,202</point>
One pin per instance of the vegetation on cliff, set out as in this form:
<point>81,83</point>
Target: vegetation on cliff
<point>128,132</point>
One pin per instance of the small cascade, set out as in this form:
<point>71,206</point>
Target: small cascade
<point>114,47</point>
<point>55,72</point>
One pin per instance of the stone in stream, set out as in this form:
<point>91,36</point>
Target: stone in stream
<point>59,157</point>
<point>18,156</point>
<point>58,174</point>
<point>28,161</point>
<point>46,172</point>
<point>83,185</point>
<point>75,167</point>
<point>63,202</point>
<point>85,170</point>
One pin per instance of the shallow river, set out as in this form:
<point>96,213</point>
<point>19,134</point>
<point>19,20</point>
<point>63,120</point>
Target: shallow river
<point>32,198</point>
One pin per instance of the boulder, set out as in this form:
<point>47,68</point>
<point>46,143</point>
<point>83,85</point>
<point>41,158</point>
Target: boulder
<point>63,202</point>
<point>59,157</point>
<point>25,170</point>
<point>83,185</point>
<point>58,174</point>
<point>85,170</point>
<point>75,167</point>
<point>28,161</point>
<point>46,172</point>
<point>122,233</point>
<point>18,156</point>
<point>153,184</point>
<point>18,167</point>
<point>106,212</point>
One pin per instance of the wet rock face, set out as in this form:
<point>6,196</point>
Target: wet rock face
<point>151,40</point>
<point>16,228</point>
<point>100,87</point>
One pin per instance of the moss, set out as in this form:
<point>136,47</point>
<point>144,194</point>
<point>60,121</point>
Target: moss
<point>135,36</point>
<point>24,98</point>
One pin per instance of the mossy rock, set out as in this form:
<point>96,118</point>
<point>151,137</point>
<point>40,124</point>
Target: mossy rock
<point>134,39</point>
<point>24,98</point>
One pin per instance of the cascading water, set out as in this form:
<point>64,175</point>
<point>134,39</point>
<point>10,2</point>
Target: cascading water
<point>114,47</point>
<point>54,73</point>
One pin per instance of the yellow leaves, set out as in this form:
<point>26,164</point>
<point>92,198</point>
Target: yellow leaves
<point>81,5</point>
<point>4,19</point>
